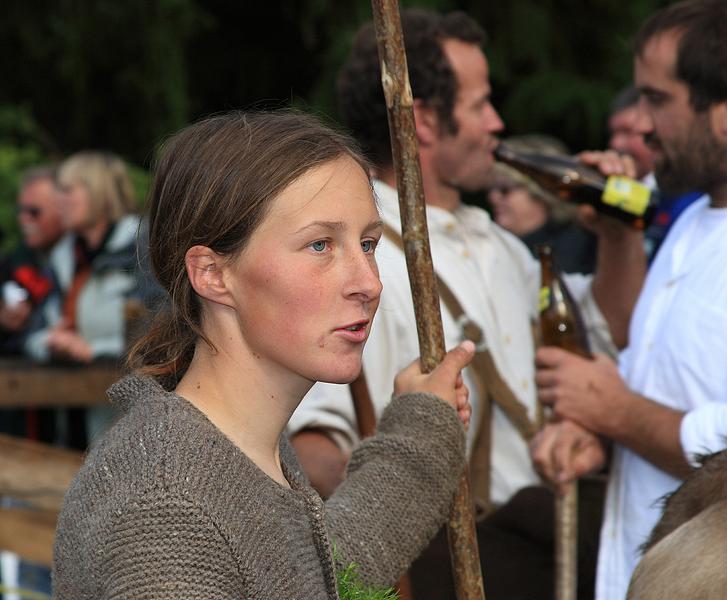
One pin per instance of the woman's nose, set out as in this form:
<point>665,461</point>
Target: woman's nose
<point>363,277</point>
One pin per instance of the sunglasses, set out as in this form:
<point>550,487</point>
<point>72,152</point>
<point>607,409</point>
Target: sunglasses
<point>32,211</point>
<point>503,188</point>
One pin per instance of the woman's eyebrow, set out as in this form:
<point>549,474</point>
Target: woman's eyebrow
<point>374,225</point>
<point>338,226</point>
<point>332,225</point>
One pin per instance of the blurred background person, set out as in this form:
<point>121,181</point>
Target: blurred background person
<point>25,279</point>
<point>96,271</point>
<point>626,138</point>
<point>535,215</point>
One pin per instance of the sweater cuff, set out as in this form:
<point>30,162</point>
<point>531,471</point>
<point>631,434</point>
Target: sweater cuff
<point>419,414</point>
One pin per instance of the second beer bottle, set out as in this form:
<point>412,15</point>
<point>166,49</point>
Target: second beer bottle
<point>561,324</point>
<point>570,180</point>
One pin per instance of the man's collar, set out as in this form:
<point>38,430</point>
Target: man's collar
<point>472,219</point>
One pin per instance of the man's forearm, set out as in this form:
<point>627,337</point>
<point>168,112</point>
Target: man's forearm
<point>620,272</point>
<point>651,430</point>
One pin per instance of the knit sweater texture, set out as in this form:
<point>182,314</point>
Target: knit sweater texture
<point>166,506</point>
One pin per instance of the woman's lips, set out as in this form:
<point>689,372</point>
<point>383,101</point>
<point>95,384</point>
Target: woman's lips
<point>355,332</point>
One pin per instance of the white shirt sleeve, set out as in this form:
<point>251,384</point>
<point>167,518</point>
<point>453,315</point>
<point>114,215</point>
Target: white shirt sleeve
<point>327,406</point>
<point>704,431</point>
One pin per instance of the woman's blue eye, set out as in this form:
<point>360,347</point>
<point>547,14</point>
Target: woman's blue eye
<point>368,246</point>
<point>319,246</point>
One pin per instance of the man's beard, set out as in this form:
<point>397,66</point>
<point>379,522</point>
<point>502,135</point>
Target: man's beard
<point>697,164</point>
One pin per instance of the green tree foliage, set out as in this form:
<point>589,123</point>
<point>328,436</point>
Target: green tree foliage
<point>100,73</point>
<point>557,64</point>
<point>21,147</point>
<point>123,75</point>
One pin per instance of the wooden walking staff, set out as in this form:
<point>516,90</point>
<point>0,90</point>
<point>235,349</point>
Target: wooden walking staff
<point>566,543</point>
<point>399,103</point>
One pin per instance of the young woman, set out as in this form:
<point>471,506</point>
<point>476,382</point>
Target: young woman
<point>262,229</point>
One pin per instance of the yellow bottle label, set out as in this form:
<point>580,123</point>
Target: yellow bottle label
<point>543,299</point>
<point>626,194</point>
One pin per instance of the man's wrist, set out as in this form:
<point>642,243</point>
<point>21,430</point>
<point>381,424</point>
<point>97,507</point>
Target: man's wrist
<point>621,415</point>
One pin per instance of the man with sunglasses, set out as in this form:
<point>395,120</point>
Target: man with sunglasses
<point>24,279</point>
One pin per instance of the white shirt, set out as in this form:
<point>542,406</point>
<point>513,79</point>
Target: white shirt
<point>496,281</point>
<point>677,357</point>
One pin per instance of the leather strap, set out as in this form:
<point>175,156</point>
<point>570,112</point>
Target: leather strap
<point>491,386</point>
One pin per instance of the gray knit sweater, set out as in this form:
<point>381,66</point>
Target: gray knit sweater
<point>166,506</point>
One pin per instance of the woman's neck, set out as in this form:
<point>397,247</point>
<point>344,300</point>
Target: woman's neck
<point>94,234</point>
<point>242,397</point>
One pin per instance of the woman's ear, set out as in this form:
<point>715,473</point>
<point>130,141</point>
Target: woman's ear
<point>204,270</point>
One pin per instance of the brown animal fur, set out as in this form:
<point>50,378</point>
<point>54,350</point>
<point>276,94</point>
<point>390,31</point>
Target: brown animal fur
<point>688,564</point>
<point>686,555</point>
<point>704,487</point>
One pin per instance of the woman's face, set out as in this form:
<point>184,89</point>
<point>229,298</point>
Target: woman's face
<point>75,205</point>
<point>517,210</point>
<point>306,286</point>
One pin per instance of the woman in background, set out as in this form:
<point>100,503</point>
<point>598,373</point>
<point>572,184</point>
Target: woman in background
<point>96,272</point>
<point>535,215</point>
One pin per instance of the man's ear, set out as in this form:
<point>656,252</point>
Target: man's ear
<point>719,121</point>
<point>204,270</point>
<point>426,122</point>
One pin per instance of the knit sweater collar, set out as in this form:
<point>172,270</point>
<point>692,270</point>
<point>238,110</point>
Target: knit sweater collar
<point>134,390</point>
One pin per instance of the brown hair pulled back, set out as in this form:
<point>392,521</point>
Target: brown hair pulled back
<point>212,186</point>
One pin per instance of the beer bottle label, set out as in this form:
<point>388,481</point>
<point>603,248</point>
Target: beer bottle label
<point>627,195</point>
<point>543,298</point>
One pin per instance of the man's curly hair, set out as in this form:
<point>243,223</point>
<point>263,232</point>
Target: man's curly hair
<point>361,99</point>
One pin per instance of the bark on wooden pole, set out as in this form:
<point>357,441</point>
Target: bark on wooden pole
<point>566,543</point>
<point>395,80</point>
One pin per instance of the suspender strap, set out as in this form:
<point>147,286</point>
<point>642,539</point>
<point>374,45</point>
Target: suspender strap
<point>483,364</point>
<point>491,386</point>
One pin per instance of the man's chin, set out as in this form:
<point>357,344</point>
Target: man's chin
<point>671,183</point>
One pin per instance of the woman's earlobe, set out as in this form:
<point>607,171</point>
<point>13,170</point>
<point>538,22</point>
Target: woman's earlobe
<point>204,270</point>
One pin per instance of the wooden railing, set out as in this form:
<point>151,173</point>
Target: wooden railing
<point>25,384</point>
<point>37,475</point>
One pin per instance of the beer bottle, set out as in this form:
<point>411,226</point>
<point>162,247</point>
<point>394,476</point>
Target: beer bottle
<point>561,324</point>
<point>617,196</point>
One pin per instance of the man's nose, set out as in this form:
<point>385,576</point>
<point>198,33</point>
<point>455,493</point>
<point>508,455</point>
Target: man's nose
<point>494,121</point>
<point>643,123</point>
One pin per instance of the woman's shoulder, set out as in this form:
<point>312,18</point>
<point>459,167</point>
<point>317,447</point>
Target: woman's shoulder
<point>162,444</point>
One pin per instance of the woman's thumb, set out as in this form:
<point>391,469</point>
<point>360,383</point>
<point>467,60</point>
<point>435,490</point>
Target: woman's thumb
<point>458,357</point>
